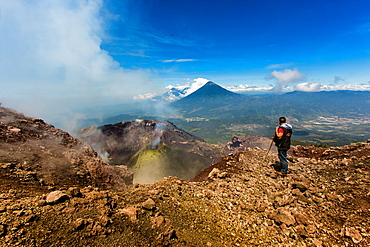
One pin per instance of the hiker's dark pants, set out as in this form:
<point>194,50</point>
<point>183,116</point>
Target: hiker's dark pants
<point>282,154</point>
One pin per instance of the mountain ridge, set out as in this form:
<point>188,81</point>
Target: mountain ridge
<point>315,115</point>
<point>301,104</point>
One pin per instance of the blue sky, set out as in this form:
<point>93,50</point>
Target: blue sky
<point>56,55</point>
<point>233,42</point>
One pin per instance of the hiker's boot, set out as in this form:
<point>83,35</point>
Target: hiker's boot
<point>281,174</point>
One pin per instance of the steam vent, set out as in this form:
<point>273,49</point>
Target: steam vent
<point>152,149</point>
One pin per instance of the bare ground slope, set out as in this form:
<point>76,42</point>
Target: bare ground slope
<point>34,151</point>
<point>324,201</point>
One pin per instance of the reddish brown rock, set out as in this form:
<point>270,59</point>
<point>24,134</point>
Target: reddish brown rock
<point>354,234</point>
<point>301,230</point>
<point>131,212</point>
<point>301,219</point>
<point>311,229</point>
<point>158,221</point>
<point>149,204</point>
<point>301,186</point>
<point>2,230</point>
<point>283,217</point>
<point>56,197</point>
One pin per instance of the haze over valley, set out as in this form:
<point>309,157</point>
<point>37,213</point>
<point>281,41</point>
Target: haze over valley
<point>215,114</point>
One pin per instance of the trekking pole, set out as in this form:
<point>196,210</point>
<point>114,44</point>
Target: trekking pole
<point>263,161</point>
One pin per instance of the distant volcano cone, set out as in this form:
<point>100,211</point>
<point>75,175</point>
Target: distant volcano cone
<point>209,91</point>
<point>209,100</point>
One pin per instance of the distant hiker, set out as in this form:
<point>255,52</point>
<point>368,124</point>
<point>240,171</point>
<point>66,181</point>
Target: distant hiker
<point>283,132</point>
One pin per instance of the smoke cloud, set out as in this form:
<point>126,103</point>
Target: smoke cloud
<point>51,59</point>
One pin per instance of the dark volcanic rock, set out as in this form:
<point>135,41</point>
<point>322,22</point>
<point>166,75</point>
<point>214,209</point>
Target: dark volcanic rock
<point>239,143</point>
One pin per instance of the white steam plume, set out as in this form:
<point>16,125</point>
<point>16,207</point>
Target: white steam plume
<point>51,59</point>
<point>160,127</point>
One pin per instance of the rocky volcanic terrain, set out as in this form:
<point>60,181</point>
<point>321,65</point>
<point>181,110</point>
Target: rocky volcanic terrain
<point>152,149</point>
<point>35,151</point>
<point>121,141</point>
<point>240,143</point>
<point>240,201</point>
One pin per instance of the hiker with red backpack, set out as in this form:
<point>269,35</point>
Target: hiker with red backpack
<point>283,132</point>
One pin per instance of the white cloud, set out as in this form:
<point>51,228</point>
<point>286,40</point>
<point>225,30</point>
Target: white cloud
<point>190,86</point>
<point>286,76</point>
<point>182,90</point>
<point>175,92</point>
<point>351,87</point>
<point>308,87</point>
<point>145,96</point>
<point>279,65</point>
<point>248,88</point>
<point>178,60</point>
<point>195,85</point>
<point>313,87</point>
<point>51,58</point>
